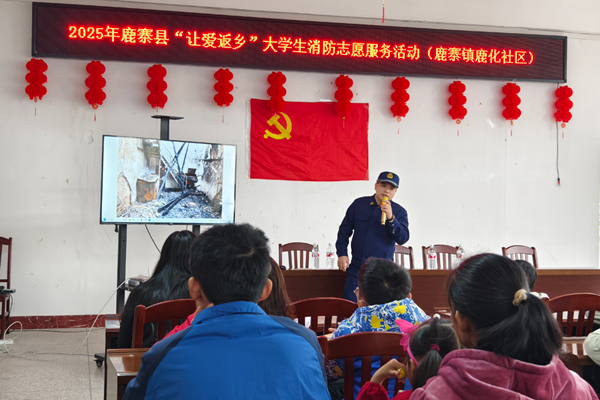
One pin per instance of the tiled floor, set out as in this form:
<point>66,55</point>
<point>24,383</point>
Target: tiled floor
<point>42,367</point>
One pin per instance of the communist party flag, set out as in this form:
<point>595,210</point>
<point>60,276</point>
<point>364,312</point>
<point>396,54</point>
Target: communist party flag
<point>308,142</point>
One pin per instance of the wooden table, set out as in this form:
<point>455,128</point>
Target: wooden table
<point>122,366</point>
<point>429,286</point>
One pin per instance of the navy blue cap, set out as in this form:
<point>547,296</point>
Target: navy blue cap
<point>389,177</point>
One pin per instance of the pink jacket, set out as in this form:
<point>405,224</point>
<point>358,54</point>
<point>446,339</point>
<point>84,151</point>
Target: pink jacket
<point>477,374</point>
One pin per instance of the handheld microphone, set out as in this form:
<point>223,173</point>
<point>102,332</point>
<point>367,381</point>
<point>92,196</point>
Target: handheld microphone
<point>383,216</point>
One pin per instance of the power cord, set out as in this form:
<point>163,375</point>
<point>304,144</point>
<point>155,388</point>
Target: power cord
<point>64,354</point>
<point>149,234</point>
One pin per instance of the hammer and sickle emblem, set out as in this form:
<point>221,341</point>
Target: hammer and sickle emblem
<point>283,132</point>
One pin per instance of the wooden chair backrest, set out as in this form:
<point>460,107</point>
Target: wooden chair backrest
<point>172,311</point>
<point>444,255</point>
<point>298,254</point>
<point>518,252</point>
<point>364,345</point>
<point>580,309</point>
<point>399,254</point>
<point>327,307</point>
<point>8,243</point>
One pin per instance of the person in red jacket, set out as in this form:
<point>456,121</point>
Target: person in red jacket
<point>426,345</point>
<point>511,340</point>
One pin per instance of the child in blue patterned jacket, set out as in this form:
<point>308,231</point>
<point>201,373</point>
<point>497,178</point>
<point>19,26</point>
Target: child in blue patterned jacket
<point>383,296</point>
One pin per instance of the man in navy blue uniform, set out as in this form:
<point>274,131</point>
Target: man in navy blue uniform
<point>232,349</point>
<point>371,238</point>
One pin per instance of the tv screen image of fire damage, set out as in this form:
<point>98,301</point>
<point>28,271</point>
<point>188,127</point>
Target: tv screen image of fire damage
<point>168,179</point>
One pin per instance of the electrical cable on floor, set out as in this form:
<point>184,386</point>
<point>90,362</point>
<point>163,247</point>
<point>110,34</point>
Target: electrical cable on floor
<point>63,354</point>
<point>148,230</point>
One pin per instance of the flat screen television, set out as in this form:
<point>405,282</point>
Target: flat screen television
<point>151,181</point>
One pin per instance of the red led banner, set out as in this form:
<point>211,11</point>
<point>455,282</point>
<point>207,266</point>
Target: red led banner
<point>103,33</point>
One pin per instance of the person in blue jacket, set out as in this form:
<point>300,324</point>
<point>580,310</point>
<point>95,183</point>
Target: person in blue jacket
<point>369,237</point>
<point>232,349</point>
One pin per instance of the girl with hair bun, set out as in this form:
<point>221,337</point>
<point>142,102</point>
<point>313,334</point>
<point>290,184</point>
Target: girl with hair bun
<point>426,345</point>
<point>512,341</point>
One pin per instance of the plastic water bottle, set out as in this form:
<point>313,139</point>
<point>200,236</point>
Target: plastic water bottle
<point>432,256</point>
<point>330,260</point>
<point>460,253</point>
<point>315,256</point>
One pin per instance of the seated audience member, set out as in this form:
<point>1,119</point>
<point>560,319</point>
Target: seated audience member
<point>169,281</point>
<point>232,349</point>
<point>531,275</point>
<point>511,339</point>
<point>592,347</point>
<point>426,345</point>
<point>278,303</point>
<point>383,296</point>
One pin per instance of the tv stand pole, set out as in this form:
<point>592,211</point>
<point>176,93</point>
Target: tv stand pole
<point>122,228</point>
<point>121,259</point>
<point>164,125</point>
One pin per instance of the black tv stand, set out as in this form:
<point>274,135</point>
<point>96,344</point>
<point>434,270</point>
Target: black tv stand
<point>122,228</point>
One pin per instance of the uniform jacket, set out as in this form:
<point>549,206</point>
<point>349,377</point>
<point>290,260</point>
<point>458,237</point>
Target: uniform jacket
<point>369,237</point>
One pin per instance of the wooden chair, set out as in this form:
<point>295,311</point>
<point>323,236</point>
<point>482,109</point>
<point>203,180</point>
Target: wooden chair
<point>296,250</point>
<point>5,298</point>
<point>327,307</point>
<point>364,345</point>
<point>444,255</point>
<point>172,311</point>
<point>518,252</point>
<point>584,304</point>
<point>399,254</point>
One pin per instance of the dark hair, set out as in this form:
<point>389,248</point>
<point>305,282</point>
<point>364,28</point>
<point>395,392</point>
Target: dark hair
<point>529,270</point>
<point>278,303</point>
<point>169,281</point>
<point>432,332</point>
<point>382,281</point>
<point>231,263</point>
<point>482,289</point>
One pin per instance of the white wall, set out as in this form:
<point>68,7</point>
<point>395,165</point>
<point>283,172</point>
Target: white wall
<point>485,188</point>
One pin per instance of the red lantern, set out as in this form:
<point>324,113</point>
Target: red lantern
<point>343,95</point>
<point>511,101</point>
<point>36,78</point>
<point>95,82</point>
<point>276,91</point>
<point>563,105</point>
<point>223,98</point>
<point>400,97</point>
<point>157,86</point>
<point>456,100</point>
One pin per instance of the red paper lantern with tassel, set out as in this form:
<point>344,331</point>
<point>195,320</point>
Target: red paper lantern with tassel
<point>343,95</point>
<point>563,105</point>
<point>36,78</point>
<point>157,86</point>
<point>95,82</point>
<point>511,101</point>
<point>457,100</point>
<point>223,98</point>
<point>276,91</point>
<point>400,97</point>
